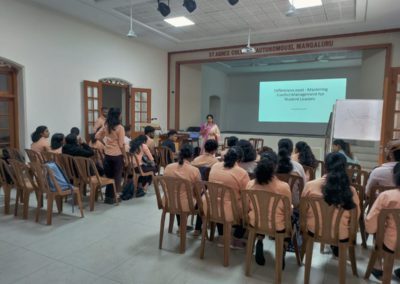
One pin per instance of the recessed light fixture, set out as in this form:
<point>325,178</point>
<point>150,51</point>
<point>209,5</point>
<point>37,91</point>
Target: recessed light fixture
<point>179,22</point>
<point>300,4</point>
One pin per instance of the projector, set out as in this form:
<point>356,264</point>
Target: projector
<point>248,50</point>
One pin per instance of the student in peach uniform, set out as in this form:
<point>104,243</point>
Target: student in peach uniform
<point>229,173</point>
<point>184,170</point>
<point>383,175</point>
<point>113,133</point>
<point>267,180</point>
<point>304,156</point>
<point>95,143</point>
<point>232,141</point>
<point>40,139</point>
<point>248,162</point>
<point>57,142</point>
<point>207,159</point>
<point>336,190</point>
<point>101,120</point>
<point>150,131</point>
<point>389,199</point>
<point>285,164</point>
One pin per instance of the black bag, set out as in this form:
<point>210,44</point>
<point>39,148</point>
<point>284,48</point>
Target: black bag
<point>128,191</point>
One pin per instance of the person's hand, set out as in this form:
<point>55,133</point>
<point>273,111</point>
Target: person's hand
<point>80,140</point>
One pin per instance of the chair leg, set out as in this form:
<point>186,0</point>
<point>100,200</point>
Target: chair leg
<point>227,242</point>
<point>162,229</point>
<point>249,251</point>
<point>59,204</point>
<point>92,196</point>
<point>371,263</point>
<point>17,200</point>
<point>342,262</point>
<point>182,232</point>
<point>79,200</point>
<point>212,231</point>
<point>171,223</point>
<point>26,204</point>
<point>352,256</point>
<point>7,193</point>
<point>309,254</point>
<point>39,206</point>
<point>388,262</point>
<point>203,237</point>
<point>50,199</point>
<point>362,232</point>
<point>278,258</point>
<point>296,248</point>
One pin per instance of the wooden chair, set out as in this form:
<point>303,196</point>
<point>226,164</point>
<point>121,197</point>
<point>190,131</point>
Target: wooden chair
<point>15,154</point>
<point>51,157</point>
<point>98,157</point>
<point>296,184</point>
<point>354,175</point>
<point>361,196</point>
<point>133,165</point>
<point>257,143</point>
<point>42,174</point>
<point>321,166</point>
<point>69,168</point>
<point>89,175</point>
<point>225,145</point>
<point>22,180</point>
<point>379,249</point>
<point>373,195</point>
<point>165,157</point>
<point>352,166</point>
<point>6,182</point>
<point>169,191</point>
<point>34,156</point>
<point>261,203</point>
<point>326,231</point>
<point>215,195</point>
<point>310,171</point>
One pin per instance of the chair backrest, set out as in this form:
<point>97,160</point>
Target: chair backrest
<point>172,190</point>
<point>373,194</point>
<point>34,156</point>
<point>262,203</point>
<point>353,166</point>
<point>15,154</point>
<point>98,157</point>
<point>257,143</point>
<point>364,176</point>
<point>225,145</point>
<point>215,195</point>
<point>321,166</point>
<point>354,175</point>
<point>327,225</point>
<point>22,174</point>
<point>86,169</point>
<point>204,172</point>
<point>296,184</point>
<point>166,156</point>
<point>51,157</point>
<point>361,195</point>
<point>6,177</point>
<point>380,233</point>
<point>310,171</point>
<point>69,168</point>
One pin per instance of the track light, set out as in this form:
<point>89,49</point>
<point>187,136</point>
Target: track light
<point>190,5</point>
<point>233,2</point>
<point>163,8</point>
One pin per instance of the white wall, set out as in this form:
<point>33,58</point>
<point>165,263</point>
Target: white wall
<point>372,74</point>
<point>190,96</point>
<point>57,53</point>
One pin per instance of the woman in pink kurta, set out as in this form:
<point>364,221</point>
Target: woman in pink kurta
<point>389,199</point>
<point>40,139</point>
<point>209,130</point>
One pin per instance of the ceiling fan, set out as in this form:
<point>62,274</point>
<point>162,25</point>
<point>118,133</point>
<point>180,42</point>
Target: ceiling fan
<point>248,49</point>
<point>131,32</point>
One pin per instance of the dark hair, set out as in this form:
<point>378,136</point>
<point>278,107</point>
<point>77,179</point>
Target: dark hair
<point>232,141</point>
<point>136,143</point>
<point>196,152</point>
<point>71,139</point>
<point>142,138</point>
<point>344,146</point>
<point>171,132</point>
<point>210,115</point>
<point>285,149</point>
<point>266,168</point>
<point>127,128</point>
<point>149,129</point>
<point>56,141</point>
<point>306,156</point>
<point>185,153</point>
<point>249,153</point>
<point>396,155</point>
<point>113,119</point>
<point>37,134</point>
<point>234,154</point>
<point>75,130</point>
<point>337,190</point>
<point>396,174</point>
<point>265,149</point>
<point>92,138</point>
<point>210,146</point>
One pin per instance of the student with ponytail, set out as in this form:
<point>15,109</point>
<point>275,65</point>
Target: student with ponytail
<point>40,139</point>
<point>343,147</point>
<point>266,179</point>
<point>285,164</point>
<point>304,155</point>
<point>389,199</point>
<point>335,188</point>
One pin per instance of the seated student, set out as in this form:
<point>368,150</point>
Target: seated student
<point>57,142</point>
<point>303,155</point>
<point>73,148</point>
<point>127,138</point>
<point>172,136</point>
<point>196,152</point>
<point>232,141</point>
<point>389,199</point>
<point>150,132</point>
<point>207,159</point>
<point>40,139</point>
<point>75,131</point>
<point>266,179</point>
<point>95,143</point>
<point>383,175</point>
<point>232,175</point>
<point>335,188</point>
<point>248,162</point>
<point>285,164</point>
<point>265,149</point>
<point>183,169</point>
<point>343,147</point>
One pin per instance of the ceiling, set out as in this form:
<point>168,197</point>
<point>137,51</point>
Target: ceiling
<point>219,24</point>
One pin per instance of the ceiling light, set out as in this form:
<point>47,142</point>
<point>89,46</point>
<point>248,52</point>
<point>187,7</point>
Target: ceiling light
<point>233,2</point>
<point>163,8</point>
<point>300,4</point>
<point>131,32</point>
<point>179,22</point>
<point>190,5</point>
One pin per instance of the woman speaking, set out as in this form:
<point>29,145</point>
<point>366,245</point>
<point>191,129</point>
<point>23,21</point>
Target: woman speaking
<point>209,130</point>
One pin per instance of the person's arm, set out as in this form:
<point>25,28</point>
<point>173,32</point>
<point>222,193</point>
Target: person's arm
<point>356,201</point>
<point>371,221</point>
<point>101,134</point>
<point>372,181</point>
<point>84,151</point>
<point>121,141</point>
<point>147,152</point>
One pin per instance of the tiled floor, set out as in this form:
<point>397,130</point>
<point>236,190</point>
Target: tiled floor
<point>119,244</point>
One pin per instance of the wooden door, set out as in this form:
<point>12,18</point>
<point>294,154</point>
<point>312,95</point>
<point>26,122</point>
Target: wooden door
<point>395,93</point>
<point>140,110</point>
<point>92,105</point>
<point>8,108</point>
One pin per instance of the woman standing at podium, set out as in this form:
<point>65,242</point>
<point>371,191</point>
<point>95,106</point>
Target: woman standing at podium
<point>209,130</point>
